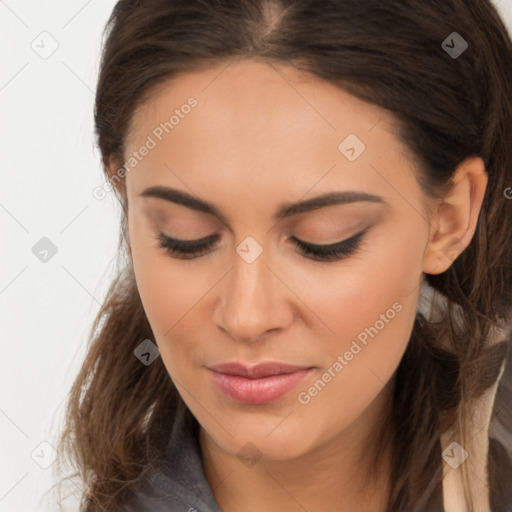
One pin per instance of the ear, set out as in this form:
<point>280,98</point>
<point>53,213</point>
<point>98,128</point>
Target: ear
<point>116,175</point>
<point>454,218</point>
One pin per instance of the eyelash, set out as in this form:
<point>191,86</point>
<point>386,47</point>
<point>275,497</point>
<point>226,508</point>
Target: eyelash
<point>186,249</point>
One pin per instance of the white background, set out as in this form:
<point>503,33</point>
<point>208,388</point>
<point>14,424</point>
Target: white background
<point>48,169</point>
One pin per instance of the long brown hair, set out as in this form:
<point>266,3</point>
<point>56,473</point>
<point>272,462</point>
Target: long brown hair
<point>448,108</point>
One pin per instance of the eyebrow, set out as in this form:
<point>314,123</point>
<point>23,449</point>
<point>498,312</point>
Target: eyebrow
<point>285,210</point>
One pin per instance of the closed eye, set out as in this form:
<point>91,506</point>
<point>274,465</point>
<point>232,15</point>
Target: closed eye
<point>331,252</point>
<point>193,249</point>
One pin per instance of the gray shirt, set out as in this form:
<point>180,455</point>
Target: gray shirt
<point>178,482</point>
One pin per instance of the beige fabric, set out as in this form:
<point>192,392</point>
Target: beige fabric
<point>432,304</point>
<point>477,449</point>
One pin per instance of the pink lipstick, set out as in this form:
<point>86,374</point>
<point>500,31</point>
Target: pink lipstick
<point>257,384</point>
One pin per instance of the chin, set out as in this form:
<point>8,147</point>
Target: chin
<point>262,441</point>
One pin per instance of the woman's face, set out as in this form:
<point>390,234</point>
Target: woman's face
<point>252,139</point>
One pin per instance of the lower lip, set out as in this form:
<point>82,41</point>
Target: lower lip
<point>258,391</point>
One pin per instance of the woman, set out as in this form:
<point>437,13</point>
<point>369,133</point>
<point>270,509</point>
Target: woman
<point>314,308</point>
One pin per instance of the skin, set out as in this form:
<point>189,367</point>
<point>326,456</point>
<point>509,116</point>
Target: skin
<point>262,135</point>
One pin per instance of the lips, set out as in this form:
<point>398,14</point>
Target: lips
<point>257,384</point>
<point>256,371</point>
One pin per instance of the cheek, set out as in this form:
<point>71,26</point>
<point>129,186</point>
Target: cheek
<point>175,297</point>
<point>169,296</point>
<point>369,307</point>
<point>358,364</point>
<point>167,290</point>
<point>353,294</point>
<point>169,299</point>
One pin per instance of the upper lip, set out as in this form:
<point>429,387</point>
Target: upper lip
<point>256,371</point>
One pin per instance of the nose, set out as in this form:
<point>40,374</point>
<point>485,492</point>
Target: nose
<point>253,301</point>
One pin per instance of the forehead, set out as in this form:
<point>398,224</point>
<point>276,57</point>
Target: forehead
<point>256,123</point>
<point>257,95</point>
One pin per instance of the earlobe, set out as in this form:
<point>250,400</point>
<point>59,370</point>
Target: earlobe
<point>454,221</point>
